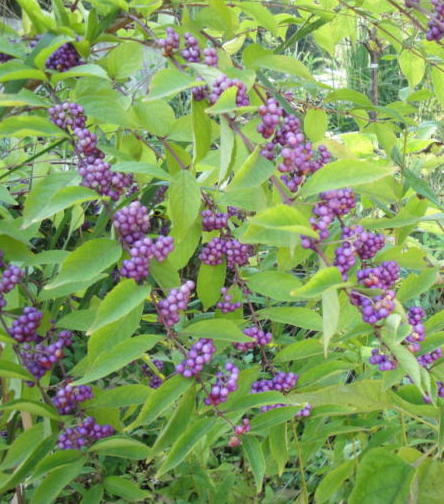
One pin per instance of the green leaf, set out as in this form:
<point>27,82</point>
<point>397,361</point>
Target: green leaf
<point>217,329</point>
<point>160,400</point>
<point>201,130</point>
<point>55,461</point>
<point>412,66</point>
<point>185,443</point>
<point>124,60</point>
<point>79,320</point>
<point>10,369</point>
<point>253,453</point>
<point>22,446</point>
<point>414,285</point>
<point>295,316</point>
<point>41,448</point>
<point>299,350</point>
<point>350,95</point>
<point>88,70</point>
<point>63,198</point>
<point>254,171</point>
<point>177,423</point>
<point>210,280</point>
<point>184,201</point>
<point>169,82</point>
<point>315,124</point>
<point>333,481</point>
<point>352,172</point>
<point>330,316</point>
<point>40,19</point>
<point>278,446</point>
<point>94,495</point>
<point>118,356</point>
<point>121,397</point>
<point>226,149</point>
<point>284,64</point>
<point>274,284</point>
<point>142,168</point>
<point>119,302</point>
<point>33,407</point>
<point>29,126</point>
<point>438,84</point>
<point>24,97</point>
<point>16,70</point>
<point>165,274</point>
<point>322,280</point>
<point>430,481</point>
<point>121,447</point>
<point>381,477</point>
<point>276,416</point>
<point>420,186</point>
<point>147,115</point>
<point>87,261</point>
<point>256,400</point>
<point>262,16</point>
<point>116,485</point>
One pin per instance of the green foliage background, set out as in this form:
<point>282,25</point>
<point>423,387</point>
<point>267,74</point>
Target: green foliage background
<point>371,439</point>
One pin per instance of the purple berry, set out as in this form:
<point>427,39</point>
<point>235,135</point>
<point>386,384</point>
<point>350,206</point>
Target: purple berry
<point>177,300</point>
<point>200,354</point>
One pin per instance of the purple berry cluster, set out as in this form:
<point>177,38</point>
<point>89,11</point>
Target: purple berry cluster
<point>64,58</point>
<point>132,222</point>
<point>210,57</point>
<point>212,221</point>
<point>170,43</point>
<point>225,384</point>
<point>436,21</point>
<point>383,361</point>
<point>239,430</point>
<point>12,276</point>
<point>222,83</point>
<point>299,159</point>
<point>155,380</point>
<point>426,360</point>
<point>191,53</point>
<point>374,309</point>
<point>24,328</point>
<point>281,382</point>
<point>227,305</point>
<point>383,276</point>
<point>177,300</point>
<point>305,411</point>
<point>68,397</point>
<point>219,249</point>
<point>366,243</point>
<point>415,317</point>
<point>332,204</point>
<point>5,57</point>
<point>200,354</point>
<point>440,387</point>
<point>84,434</point>
<point>68,116</point>
<point>258,337</point>
<point>141,252</point>
<point>271,114</point>
<point>97,175</point>
<point>40,358</point>
<point>95,172</point>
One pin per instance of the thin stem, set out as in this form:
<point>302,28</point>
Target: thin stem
<point>301,463</point>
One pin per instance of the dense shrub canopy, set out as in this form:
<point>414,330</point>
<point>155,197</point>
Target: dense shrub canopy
<point>221,242</point>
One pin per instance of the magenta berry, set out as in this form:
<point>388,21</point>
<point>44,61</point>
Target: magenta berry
<point>84,434</point>
<point>227,305</point>
<point>212,221</point>
<point>170,43</point>
<point>225,384</point>
<point>177,300</point>
<point>68,397</point>
<point>383,361</point>
<point>258,336</point>
<point>68,116</point>
<point>24,328</point>
<point>191,53</point>
<point>200,354</point>
<point>222,83</point>
<point>210,57</point>
<point>132,222</point>
<point>64,58</point>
